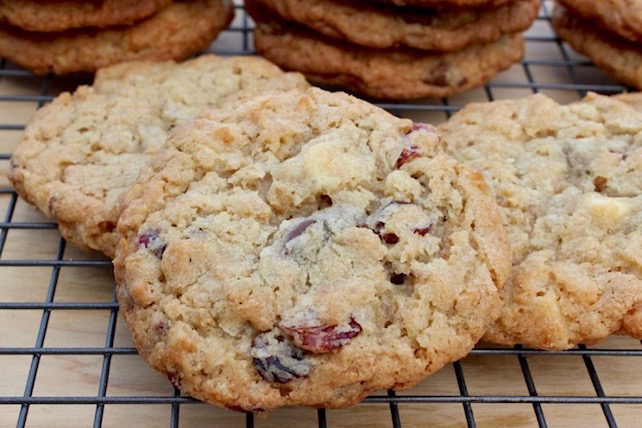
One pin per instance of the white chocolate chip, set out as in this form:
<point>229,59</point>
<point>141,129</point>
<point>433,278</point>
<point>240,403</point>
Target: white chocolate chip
<point>606,211</point>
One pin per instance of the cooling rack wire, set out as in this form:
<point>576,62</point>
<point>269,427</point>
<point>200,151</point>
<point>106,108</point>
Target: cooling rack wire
<point>66,357</point>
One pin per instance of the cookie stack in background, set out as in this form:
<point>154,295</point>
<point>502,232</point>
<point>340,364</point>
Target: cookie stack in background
<point>385,50</point>
<point>608,32</point>
<point>72,35</point>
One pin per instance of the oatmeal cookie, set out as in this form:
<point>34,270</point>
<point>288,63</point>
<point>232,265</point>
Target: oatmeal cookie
<point>60,15</point>
<point>384,27</point>
<point>175,33</point>
<point>623,17</point>
<point>306,248</point>
<point>568,180</point>
<point>79,153</point>
<point>617,56</point>
<point>385,73</point>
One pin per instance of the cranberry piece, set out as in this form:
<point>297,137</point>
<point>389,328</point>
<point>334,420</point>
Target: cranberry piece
<point>623,156</point>
<point>378,227</point>
<point>277,360</point>
<point>153,242</point>
<point>418,126</point>
<point>398,278</point>
<point>407,155</point>
<point>299,229</point>
<point>322,338</point>
<point>390,238</point>
<point>325,201</point>
<point>161,327</point>
<point>422,231</point>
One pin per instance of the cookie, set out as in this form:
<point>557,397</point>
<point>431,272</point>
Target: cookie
<point>618,57</point>
<point>385,73</point>
<point>568,180</point>
<point>633,99</point>
<point>60,15</point>
<point>384,27</point>
<point>79,153</point>
<point>176,32</point>
<point>623,17</point>
<point>446,4</point>
<point>306,249</point>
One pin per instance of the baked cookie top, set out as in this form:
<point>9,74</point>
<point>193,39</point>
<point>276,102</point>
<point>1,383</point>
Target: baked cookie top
<point>568,180</point>
<point>306,248</point>
<point>623,17</point>
<point>617,56</point>
<point>79,153</point>
<point>176,32</point>
<point>379,26</point>
<point>60,15</point>
<point>385,73</point>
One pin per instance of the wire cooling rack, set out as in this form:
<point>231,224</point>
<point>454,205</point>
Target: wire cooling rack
<point>66,358</point>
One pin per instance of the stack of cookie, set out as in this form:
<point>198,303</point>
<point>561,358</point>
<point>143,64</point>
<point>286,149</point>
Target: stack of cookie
<point>423,48</point>
<point>608,32</point>
<point>73,35</point>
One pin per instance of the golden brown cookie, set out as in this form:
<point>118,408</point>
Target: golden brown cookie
<point>176,32</point>
<point>617,56</point>
<point>378,26</point>
<point>60,15</point>
<point>81,152</point>
<point>306,248</point>
<point>623,17</point>
<point>385,73</point>
<point>568,180</point>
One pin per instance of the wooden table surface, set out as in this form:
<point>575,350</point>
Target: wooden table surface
<point>66,357</point>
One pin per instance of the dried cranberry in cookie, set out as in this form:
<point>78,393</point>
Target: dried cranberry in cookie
<point>302,267</point>
<point>322,338</point>
<point>153,242</point>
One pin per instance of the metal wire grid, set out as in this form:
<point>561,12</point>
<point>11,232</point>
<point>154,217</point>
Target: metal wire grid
<point>66,258</point>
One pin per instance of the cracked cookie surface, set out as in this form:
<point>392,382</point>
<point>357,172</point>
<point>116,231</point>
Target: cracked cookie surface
<point>82,151</point>
<point>306,249</point>
<point>568,180</point>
